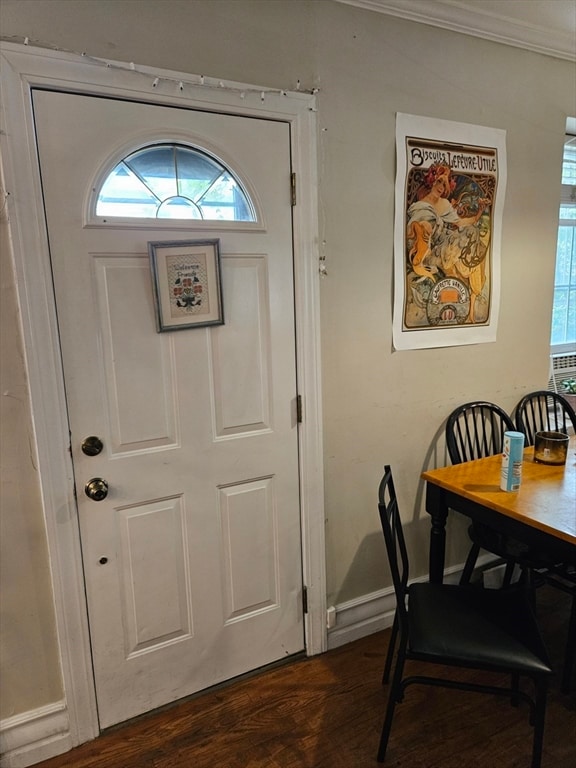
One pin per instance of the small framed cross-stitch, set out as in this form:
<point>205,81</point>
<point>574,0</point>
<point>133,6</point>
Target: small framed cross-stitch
<point>187,283</point>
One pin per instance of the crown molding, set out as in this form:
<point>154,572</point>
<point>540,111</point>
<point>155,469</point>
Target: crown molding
<point>479,20</point>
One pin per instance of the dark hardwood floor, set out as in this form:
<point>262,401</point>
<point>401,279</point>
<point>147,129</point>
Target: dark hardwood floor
<point>326,712</point>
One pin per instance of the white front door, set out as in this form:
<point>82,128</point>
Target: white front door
<point>193,560</point>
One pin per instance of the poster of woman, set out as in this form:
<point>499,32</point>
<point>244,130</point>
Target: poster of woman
<point>449,190</point>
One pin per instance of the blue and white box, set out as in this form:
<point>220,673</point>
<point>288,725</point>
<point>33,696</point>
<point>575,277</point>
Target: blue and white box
<point>512,454</point>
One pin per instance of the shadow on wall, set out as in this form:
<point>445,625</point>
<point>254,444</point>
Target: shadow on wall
<point>371,557</point>
<point>370,563</point>
<point>457,540</point>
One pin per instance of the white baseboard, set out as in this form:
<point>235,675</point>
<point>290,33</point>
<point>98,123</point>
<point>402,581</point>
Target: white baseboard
<point>362,616</point>
<point>34,736</point>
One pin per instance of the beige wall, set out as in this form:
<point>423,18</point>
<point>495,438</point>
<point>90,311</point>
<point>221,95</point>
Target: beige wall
<point>29,665</point>
<point>379,406</point>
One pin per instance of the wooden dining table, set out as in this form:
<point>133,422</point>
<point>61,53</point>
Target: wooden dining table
<point>542,513</point>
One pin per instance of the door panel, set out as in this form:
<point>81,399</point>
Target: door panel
<point>130,352</point>
<point>156,611</point>
<point>248,536</point>
<point>241,361</point>
<point>193,560</point>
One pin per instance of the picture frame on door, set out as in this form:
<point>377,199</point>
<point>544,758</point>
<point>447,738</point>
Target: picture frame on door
<point>187,283</point>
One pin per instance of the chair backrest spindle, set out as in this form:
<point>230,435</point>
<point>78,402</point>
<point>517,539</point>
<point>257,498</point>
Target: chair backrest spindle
<point>475,430</point>
<point>543,410</point>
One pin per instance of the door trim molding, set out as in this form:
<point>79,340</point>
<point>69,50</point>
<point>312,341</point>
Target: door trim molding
<point>23,68</point>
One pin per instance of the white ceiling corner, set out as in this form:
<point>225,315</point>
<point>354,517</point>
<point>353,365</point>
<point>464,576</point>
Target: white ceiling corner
<point>544,26</point>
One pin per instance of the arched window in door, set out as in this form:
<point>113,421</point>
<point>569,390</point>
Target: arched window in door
<point>173,181</point>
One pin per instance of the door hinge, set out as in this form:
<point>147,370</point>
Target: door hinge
<point>305,599</point>
<point>299,409</point>
<point>293,189</point>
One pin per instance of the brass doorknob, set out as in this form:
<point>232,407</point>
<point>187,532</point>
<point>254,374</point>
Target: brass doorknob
<point>96,489</point>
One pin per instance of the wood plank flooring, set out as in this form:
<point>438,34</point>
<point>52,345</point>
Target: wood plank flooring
<point>326,712</point>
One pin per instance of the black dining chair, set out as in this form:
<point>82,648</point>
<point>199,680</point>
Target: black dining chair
<point>473,431</point>
<point>460,627</point>
<point>548,411</point>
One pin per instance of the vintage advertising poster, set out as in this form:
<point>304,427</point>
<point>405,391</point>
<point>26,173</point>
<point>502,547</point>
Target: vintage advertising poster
<point>450,183</point>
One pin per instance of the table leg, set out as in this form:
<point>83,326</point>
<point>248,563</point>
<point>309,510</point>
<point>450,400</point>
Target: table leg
<point>438,511</point>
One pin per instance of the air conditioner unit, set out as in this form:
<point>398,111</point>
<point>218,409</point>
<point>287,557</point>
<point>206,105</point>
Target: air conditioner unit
<point>562,366</point>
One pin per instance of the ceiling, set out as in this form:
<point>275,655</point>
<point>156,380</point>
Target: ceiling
<point>544,26</point>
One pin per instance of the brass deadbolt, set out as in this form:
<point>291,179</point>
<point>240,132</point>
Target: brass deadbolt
<point>92,446</point>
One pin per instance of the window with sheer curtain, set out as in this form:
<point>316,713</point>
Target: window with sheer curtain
<point>563,332</point>
<point>563,335</point>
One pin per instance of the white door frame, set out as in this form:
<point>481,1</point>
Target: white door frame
<point>24,67</point>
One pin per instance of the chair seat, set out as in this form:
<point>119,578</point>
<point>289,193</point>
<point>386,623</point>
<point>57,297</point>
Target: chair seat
<point>472,627</point>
